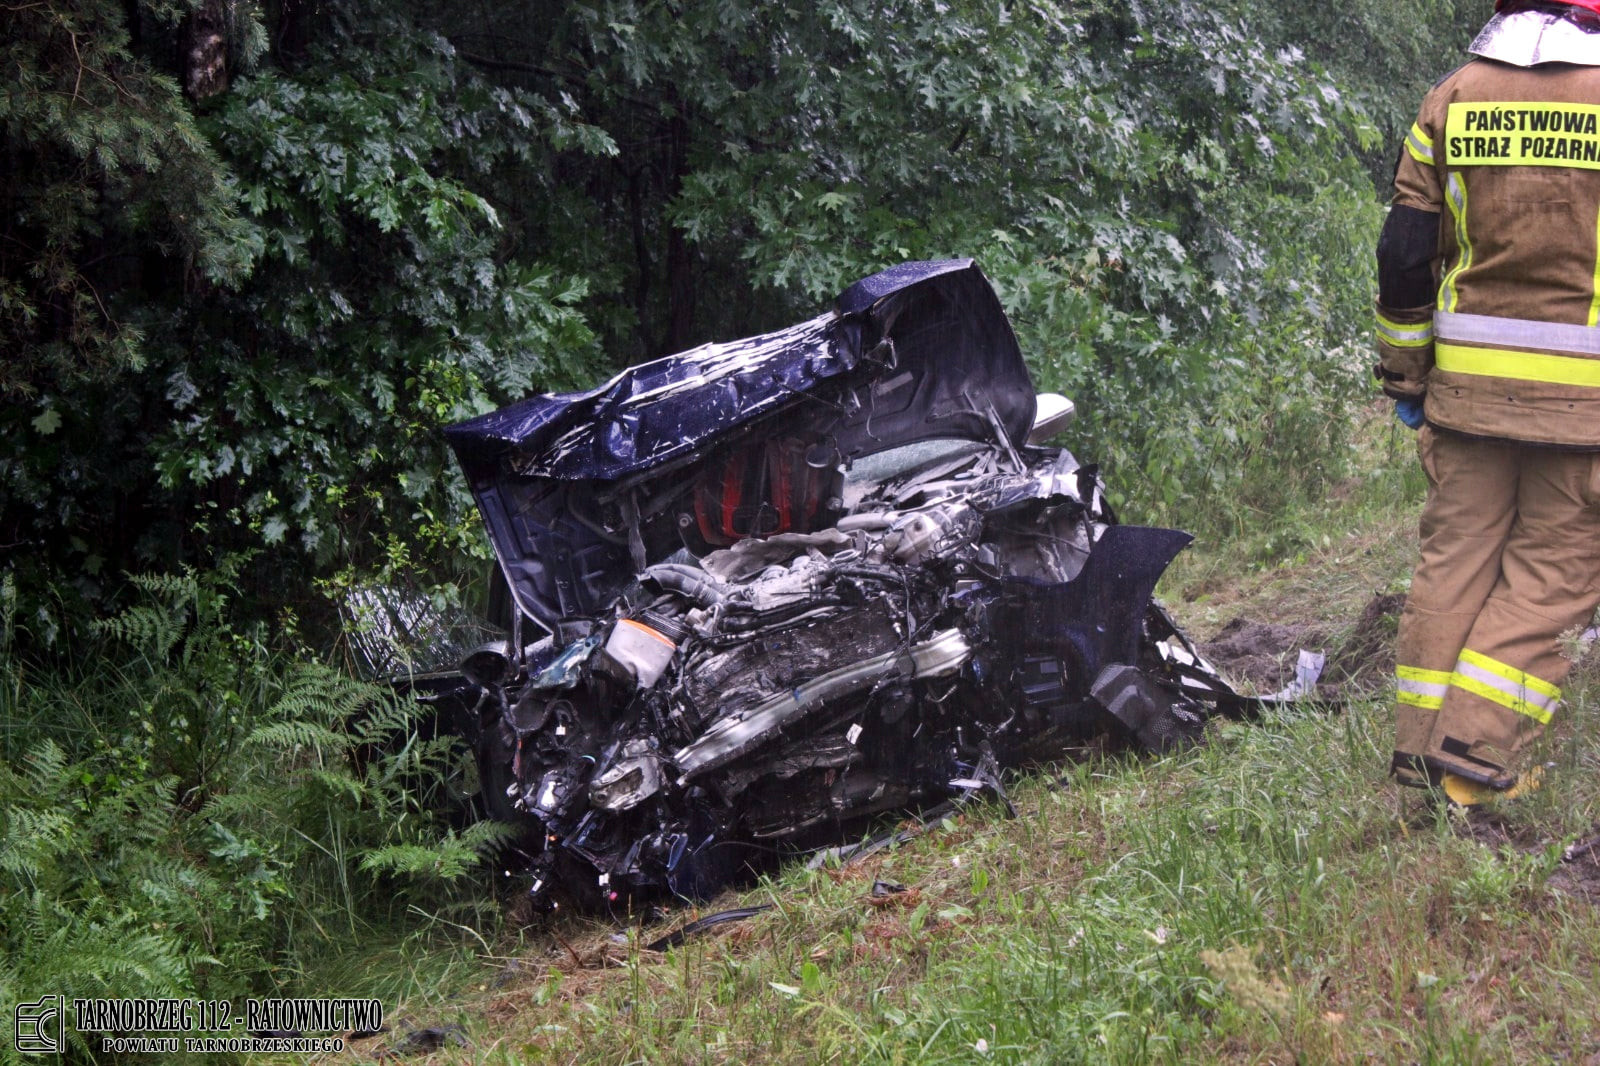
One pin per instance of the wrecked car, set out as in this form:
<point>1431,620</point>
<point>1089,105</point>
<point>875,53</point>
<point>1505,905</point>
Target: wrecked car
<point>763,590</point>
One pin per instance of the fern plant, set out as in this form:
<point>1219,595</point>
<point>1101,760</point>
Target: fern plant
<point>191,813</point>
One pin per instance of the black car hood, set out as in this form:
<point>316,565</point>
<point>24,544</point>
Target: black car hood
<point>577,488</point>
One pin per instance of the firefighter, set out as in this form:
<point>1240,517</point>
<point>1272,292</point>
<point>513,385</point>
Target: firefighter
<point>1488,321</point>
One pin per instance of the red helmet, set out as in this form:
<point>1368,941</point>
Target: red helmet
<point>1588,5</point>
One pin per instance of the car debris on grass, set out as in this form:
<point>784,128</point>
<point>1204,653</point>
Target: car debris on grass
<point>761,591</point>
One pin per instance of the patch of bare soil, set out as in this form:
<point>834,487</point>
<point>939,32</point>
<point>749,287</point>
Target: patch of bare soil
<point>1262,655</point>
<point>1494,831</point>
<point>1366,652</point>
<point>1579,873</point>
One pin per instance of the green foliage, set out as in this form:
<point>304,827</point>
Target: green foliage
<point>384,308</point>
<point>194,815</point>
<point>343,291</point>
<point>1384,54</point>
<point>399,215</point>
<point>104,161</point>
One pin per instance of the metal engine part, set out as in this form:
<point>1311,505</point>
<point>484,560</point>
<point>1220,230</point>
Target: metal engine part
<point>796,581</point>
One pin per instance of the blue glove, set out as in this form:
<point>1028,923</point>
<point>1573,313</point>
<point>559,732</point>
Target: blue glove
<point>1409,411</point>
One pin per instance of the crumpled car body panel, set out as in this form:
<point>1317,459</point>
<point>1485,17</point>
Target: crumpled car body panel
<point>796,581</point>
<point>919,353</point>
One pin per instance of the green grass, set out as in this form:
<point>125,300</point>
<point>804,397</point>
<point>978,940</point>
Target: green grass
<point>1263,898</point>
<point>1268,897</point>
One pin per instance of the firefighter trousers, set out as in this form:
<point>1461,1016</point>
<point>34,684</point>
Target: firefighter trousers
<point>1510,562</point>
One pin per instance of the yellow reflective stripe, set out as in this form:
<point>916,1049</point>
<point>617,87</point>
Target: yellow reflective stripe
<point>1494,695</point>
<point>1417,699</point>
<point>1518,366</point>
<point>1506,685</point>
<point>1421,688</point>
<point>1520,678</point>
<point>1594,305</point>
<point>1420,145</point>
<point>1522,134</point>
<point>1417,687</point>
<point>1405,335</point>
<point>1456,198</point>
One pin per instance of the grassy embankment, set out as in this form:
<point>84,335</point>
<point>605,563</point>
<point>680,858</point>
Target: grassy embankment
<point>1264,898</point>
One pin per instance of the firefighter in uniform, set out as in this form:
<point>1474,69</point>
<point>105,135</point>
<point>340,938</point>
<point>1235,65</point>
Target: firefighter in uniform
<point>1489,341</point>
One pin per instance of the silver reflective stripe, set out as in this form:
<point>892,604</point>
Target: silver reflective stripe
<point>1516,692</point>
<point>1516,332</point>
<point>1421,688</point>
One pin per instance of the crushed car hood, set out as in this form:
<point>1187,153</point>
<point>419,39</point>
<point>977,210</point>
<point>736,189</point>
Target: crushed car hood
<point>582,490</point>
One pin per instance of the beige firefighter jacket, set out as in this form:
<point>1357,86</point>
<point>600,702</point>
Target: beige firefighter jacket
<point>1510,159</point>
